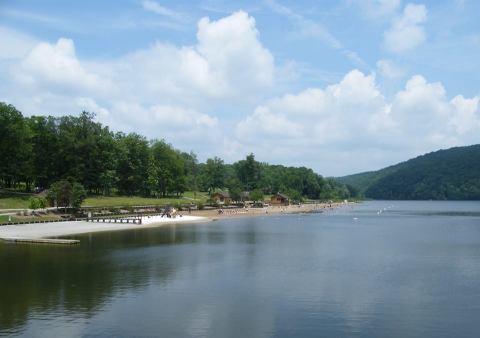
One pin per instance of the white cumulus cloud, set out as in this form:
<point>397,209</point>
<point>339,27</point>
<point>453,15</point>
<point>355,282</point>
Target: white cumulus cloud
<point>353,117</point>
<point>466,120</point>
<point>14,44</point>
<point>407,31</point>
<point>228,61</point>
<point>163,90</point>
<point>184,94</point>
<point>389,69</point>
<point>56,65</point>
<point>232,49</point>
<point>319,117</point>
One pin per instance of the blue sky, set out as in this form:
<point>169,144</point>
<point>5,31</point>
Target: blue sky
<point>339,86</point>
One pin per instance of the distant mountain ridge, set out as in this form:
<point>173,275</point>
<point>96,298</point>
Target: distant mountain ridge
<point>450,174</point>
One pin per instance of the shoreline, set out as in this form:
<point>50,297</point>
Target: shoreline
<point>53,230</point>
<point>266,211</point>
<point>70,228</point>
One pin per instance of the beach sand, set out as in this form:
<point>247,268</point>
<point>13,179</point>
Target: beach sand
<point>271,210</point>
<point>59,229</point>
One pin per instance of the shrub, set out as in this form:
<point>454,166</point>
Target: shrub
<point>78,195</point>
<point>42,202</point>
<point>66,194</point>
<point>33,203</point>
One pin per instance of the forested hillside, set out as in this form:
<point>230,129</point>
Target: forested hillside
<point>38,151</point>
<point>452,174</point>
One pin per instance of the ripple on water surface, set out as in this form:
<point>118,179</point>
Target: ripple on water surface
<point>411,270</point>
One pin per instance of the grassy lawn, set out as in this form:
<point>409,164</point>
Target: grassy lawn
<point>103,201</point>
<point>8,201</point>
<point>21,202</point>
<point>4,218</point>
<point>17,202</point>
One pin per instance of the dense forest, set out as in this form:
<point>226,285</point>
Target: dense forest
<point>38,151</point>
<point>452,174</point>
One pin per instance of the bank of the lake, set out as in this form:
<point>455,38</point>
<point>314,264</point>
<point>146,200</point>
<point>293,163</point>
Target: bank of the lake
<point>68,228</point>
<point>58,229</point>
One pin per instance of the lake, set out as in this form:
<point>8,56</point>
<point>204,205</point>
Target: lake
<point>376,269</point>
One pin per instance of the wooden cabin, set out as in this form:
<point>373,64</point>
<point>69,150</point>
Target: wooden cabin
<point>279,199</point>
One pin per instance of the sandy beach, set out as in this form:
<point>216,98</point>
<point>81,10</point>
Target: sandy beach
<point>270,210</point>
<point>59,229</point>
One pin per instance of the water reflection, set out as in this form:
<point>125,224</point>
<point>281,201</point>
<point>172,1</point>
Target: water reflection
<point>41,279</point>
<point>350,272</point>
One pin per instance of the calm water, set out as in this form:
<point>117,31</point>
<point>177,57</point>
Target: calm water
<point>412,270</point>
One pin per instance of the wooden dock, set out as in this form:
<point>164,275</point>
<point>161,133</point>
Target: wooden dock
<point>137,220</point>
<point>41,240</point>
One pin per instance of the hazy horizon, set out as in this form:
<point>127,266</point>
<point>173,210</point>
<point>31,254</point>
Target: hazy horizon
<point>340,87</point>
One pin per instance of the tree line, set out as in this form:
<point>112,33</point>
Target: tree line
<point>38,151</point>
<point>451,174</point>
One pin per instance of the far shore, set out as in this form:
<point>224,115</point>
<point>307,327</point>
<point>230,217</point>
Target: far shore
<point>68,228</point>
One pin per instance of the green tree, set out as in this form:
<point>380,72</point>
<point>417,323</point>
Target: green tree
<point>65,194</point>
<point>78,195</point>
<point>107,181</point>
<point>236,194</point>
<point>294,195</point>
<point>33,203</point>
<point>168,168</point>
<point>15,149</point>
<point>257,195</point>
<point>37,203</point>
<point>191,170</point>
<point>42,202</point>
<point>45,149</point>
<point>60,193</point>
<point>214,174</point>
<point>87,150</point>
<point>353,191</point>
<point>249,172</point>
<point>133,156</point>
